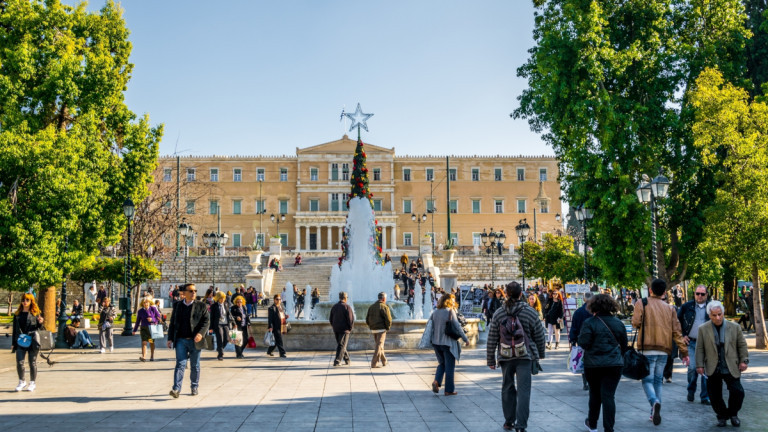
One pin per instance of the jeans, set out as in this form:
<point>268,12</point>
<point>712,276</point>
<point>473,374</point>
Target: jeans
<point>83,339</point>
<point>446,365</point>
<point>603,382</point>
<point>693,376</point>
<point>31,354</point>
<point>341,347</point>
<point>652,383</point>
<point>516,402</point>
<point>249,306</point>
<point>185,349</point>
<point>735,395</point>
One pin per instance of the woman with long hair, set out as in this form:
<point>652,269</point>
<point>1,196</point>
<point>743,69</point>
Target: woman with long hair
<point>447,349</point>
<point>107,315</point>
<point>242,323</point>
<point>26,320</point>
<point>147,316</point>
<point>553,319</point>
<point>534,302</point>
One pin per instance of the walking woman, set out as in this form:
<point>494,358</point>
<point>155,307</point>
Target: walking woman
<point>26,320</point>
<point>554,317</point>
<point>221,320</point>
<point>242,323</point>
<point>276,323</point>
<point>534,302</point>
<point>107,315</point>
<point>604,340</point>
<point>447,349</point>
<point>315,297</point>
<point>145,317</point>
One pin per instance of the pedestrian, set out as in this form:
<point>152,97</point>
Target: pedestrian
<point>90,299</point>
<point>221,322</point>
<point>26,320</point>
<point>379,320</point>
<point>404,261</point>
<point>579,316</point>
<point>107,315</point>
<point>77,310</point>
<point>147,316</point>
<point>77,339</point>
<point>447,349</point>
<point>604,340</point>
<point>492,303</point>
<point>554,318</point>
<point>189,324</point>
<point>315,297</point>
<point>721,355</point>
<point>101,295</point>
<point>516,401</point>
<point>342,319</point>
<point>242,323</point>
<point>658,327</point>
<point>276,318</point>
<point>533,301</point>
<point>693,314</point>
<point>249,300</point>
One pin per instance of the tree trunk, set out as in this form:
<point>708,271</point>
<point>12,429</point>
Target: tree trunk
<point>10,302</point>
<point>761,341</point>
<point>729,289</point>
<point>46,299</point>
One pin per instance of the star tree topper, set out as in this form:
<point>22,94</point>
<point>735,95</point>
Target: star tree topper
<point>358,118</point>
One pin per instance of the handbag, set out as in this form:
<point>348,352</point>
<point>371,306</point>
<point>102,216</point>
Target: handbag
<point>636,365</point>
<point>576,360</point>
<point>251,342</point>
<point>450,331</point>
<point>24,341</point>
<point>44,340</point>
<point>269,338</point>
<point>426,337</point>
<point>205,343</point>
<point>156,331</point>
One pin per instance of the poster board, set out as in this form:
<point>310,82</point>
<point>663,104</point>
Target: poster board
<point>577,288</point>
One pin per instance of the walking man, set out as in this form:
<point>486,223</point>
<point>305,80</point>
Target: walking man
<point>516,401</point>
<point>342,319</point>
<point>691,315</point>
<point>659,327</point>
<point>721,354</point>
<point>379,320</point>
<point>189,323</point>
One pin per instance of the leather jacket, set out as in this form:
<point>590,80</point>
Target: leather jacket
<point>661,328</point>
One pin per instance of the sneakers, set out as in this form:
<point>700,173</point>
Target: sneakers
<point>102,351</point>
<point>589,428</point>
<point>174,393</point>
<point>111,349</point>
<point>32,387</point>
<point>21,385</point>
<point>656,414</point>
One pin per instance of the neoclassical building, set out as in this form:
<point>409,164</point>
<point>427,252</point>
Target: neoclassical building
<point>306,193</point>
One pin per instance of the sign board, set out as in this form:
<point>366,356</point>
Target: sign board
<point>577,288</point>
<point>470,302</point>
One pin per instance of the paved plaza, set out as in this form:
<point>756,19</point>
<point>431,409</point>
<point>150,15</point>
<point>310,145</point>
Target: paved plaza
<point>89,391</point>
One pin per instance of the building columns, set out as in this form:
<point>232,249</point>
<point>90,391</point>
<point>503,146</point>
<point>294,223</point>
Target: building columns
<point>298,239</point>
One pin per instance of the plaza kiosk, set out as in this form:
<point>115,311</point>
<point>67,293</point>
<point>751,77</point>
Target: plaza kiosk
<point>575,301</point>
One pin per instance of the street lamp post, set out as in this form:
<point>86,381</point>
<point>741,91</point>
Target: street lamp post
<point>128,210</point>
<point>216,240</point>
<point>584,214</point>
<point>494,244</point>
<point>648,193</point>
<point>522,229</point>
<point>277,221</point>
<point>185,230</point>
<point>60,341</point>
<point>421,219</point>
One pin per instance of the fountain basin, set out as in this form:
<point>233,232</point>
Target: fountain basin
<point>399,310</point>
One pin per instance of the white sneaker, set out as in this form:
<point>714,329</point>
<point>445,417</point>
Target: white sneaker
<point>111,349</point>
<point>21,385</point>
<point>31,386</point>
<point>102,351</point>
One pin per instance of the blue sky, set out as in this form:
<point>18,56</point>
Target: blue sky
<point>256,77</point>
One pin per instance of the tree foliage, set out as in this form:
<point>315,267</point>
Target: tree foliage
<point>70,149</point>
<point>106,268</point>
<point>553,259</point>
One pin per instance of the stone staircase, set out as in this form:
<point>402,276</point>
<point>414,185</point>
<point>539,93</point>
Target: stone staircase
<point>314,271</point>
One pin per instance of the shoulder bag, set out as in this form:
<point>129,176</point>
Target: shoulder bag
<point>450,331</point>
<point>636,365</point>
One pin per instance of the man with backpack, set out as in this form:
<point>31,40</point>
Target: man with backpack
<point>516,342</point>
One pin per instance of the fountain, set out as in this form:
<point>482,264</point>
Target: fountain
<point>288,301</point>
<point>308,304</point>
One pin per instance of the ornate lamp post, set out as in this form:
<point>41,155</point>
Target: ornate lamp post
<point>421,219</point>
<point>493,243</point>
<point>649,193</point>
<point>277,221</point>
<point>60,342</point>
<point>186,231</point>
<point>128,210</point>
<point>583,215</point>
<point>522,229</point>
<point>216,240</point>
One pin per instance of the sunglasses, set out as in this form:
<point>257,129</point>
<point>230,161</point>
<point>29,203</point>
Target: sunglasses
<point>191,291</point>
<point>701,294</point>
<point>25,300</point>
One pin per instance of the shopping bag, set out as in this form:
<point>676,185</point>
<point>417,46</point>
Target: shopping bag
<point>251,342</point>
<point>236,336</point>
<point>269,338</point>
<point>576,360</point>
<point>156,330</point>
<point>426,337</point>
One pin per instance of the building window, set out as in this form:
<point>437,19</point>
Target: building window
<point>544,207</point>
<point>406,174</point>
<point>237,207</point>
<point>283,206</point>
<point>455,238</point>
<point>430,174</point>
<point>236,240</point>
<point>237,175</point>
<point>167,172</point>
<point>214,173</point>
<point>167,240</point>
<point>314,205</point>
<point>521,206</point>
<point>454,206</point>
<point>407,206</point>
<point>260,207</point>
<point>284,240</point>
<point>213,207</point>
<point>475,206</point>
<point>190,174</point>
<point>497,174</point>
<point>334,202</point>
<point>191,207</point>
<point>283,174</point>
<point>475,174</point>
<point>452,174</point>
<point>377,174</point>
<point>260,174</point>
<point>377,205</point>
<point>259,239</point>
<point>431,206</point>
<point>407,239</point>
<point>542,174</point>
<point>476,239</point>
<point>335,172</point>
<point>167,207</point>
<point>345,172</point>
<point>498,206</point>
<point>521,174</point>
<point>313,174</point>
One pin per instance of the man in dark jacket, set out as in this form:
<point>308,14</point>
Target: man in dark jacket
<point>379,320</point>
<point>691,315</point>
<point>275,316</point>
<point>516,401</point>
<point>579,316</point>
<point>189,323</point>
<point>342,319</point>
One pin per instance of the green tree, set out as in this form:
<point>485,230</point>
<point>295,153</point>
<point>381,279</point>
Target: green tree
<point>70,149</point>
<point>732,132</point>
<point>757,46</point>
<point>608,89</point>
